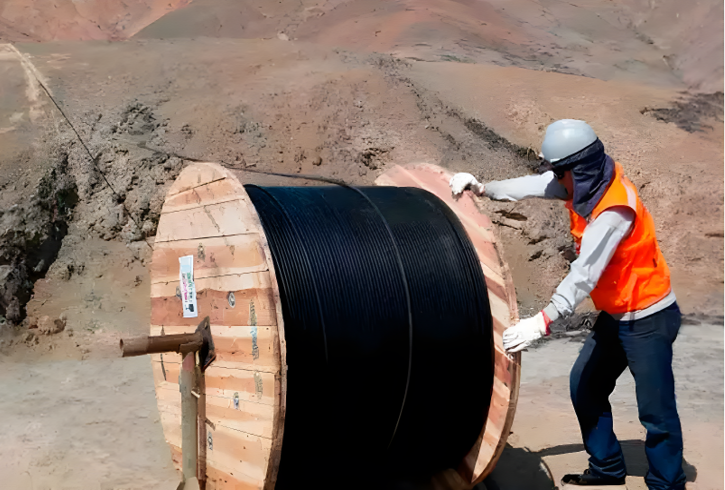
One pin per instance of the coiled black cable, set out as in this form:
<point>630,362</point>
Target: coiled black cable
<point>388,331</point>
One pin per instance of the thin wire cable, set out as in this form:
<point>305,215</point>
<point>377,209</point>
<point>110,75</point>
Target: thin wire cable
<point>94,160</point>
<point>316,178</point>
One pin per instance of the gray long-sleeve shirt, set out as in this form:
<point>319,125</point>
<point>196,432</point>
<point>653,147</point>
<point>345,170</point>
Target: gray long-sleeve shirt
<point>599,242</point>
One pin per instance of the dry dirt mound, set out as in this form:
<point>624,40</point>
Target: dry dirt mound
<point>658,43</point>
<point>655,43</point>
<point>46,20</point>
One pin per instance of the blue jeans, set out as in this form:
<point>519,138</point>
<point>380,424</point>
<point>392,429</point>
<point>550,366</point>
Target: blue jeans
<point>645,346</point>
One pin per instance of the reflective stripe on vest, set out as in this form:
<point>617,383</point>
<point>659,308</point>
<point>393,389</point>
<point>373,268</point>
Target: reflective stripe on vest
<point>637,276</point>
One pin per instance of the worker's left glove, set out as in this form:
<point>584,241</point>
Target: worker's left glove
<point>526,332</point>
<point>462,181</point>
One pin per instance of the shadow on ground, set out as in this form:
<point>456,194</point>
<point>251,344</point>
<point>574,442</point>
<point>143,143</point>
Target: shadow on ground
<point>520,468</point>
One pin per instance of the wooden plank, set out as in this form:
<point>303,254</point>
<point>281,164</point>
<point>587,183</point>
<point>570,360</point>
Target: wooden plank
<point>219,480</point>
<point>251,418</point>
<point>251,386</point>
<point>231,282</point>
<point>215,192</point>
<point>240,455</point>
<point>500,311</point>
<point>250,306</point>
<point>175,359</point>
<point>253,345</point>
<point>496,275</point>
<point>238,254</point>
<point>196,175</point>
<point>214,220</point>
<point>501,371</point>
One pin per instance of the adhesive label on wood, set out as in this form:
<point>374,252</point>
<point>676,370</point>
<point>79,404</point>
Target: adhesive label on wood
<point>187,288</point>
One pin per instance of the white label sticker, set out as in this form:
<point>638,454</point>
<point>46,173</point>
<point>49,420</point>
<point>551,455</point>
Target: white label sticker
<point>188,290</point>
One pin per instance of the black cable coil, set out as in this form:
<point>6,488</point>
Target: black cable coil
<point>388,331</point>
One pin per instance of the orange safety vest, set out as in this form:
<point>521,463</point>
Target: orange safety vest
<point>637,276</point>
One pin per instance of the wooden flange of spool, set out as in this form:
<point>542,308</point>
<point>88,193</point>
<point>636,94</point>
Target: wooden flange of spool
<point>208,214</point>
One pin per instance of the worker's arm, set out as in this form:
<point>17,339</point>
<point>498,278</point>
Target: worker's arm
<point>599,242</point>
<point>545,186</point>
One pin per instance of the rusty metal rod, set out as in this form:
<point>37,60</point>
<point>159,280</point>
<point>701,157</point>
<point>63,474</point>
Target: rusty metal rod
<point>189,407</point>
<point>140,346</point>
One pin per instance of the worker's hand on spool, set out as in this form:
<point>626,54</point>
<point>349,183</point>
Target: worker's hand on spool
<point>526,332</point>
<point>462,181</point>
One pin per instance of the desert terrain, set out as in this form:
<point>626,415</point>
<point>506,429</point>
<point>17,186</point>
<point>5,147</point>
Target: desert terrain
<point>342,89</point>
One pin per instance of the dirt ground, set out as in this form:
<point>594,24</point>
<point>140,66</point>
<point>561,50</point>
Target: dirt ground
<point>342,89</point>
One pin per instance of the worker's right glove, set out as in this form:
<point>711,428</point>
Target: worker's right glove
<point>526,332</point>
<point>462,181</point>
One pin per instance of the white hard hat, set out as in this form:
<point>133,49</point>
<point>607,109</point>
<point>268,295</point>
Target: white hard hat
<point>566,137</point>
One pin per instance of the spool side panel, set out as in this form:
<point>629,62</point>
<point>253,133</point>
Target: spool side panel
<point>482,458</point>
<point>207,214</point>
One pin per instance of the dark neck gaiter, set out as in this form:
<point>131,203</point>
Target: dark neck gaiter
<point>591,171</point>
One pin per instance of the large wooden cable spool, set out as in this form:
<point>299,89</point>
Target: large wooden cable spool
<point>208,214</point>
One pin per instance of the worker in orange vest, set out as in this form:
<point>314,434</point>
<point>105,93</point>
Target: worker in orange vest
<point>620,266</point>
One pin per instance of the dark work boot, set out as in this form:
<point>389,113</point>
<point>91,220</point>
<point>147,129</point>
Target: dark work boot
<point>587,479</point>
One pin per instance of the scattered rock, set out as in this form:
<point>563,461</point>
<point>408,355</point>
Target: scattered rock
<point>373,158</point>
<point>48,326</point>
<point>317,161</point>
<point>690,112</point>
<point>516,225</point>
<point>568,252</point>
<point>137,281</point>
<point>512,215</point>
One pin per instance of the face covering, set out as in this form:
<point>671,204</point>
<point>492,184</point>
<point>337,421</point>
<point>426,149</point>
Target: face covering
<point>591,171</point>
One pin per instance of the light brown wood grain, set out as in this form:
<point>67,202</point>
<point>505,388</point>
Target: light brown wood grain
<point>249,385</point>
<point>249,346</point>
<point>248,304</point>
<point>215,192</point>
<point>214,220</point>
<point>218,480</point>
<point>233,255</point>
<point>229,282</point>
<point>196,175</point>
<point>244,416</point>
<point>236,453</point>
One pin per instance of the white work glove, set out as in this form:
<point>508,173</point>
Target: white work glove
<point>526,332</point>
<point>462,181</point>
